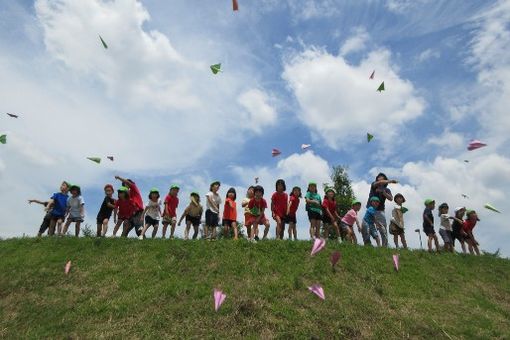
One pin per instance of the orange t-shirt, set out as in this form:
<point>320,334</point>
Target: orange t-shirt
<point>230,210</point>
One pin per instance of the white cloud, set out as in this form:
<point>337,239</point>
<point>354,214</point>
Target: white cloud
<point>400,6</point>
<point>260,113</point>
<point>428,54</point>
<point>312,9</point>
<point>451,140</point>
<point>340,104</point>
<point>355,43</point>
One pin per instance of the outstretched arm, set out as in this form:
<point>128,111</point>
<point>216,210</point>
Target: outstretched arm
<point>37,201</point>
<point>123,180</point>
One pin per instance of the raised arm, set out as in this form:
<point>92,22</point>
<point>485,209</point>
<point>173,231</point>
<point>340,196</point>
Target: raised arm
<point>38,202</point>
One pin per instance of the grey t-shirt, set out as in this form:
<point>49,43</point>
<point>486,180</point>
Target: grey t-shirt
<point>74,204</point>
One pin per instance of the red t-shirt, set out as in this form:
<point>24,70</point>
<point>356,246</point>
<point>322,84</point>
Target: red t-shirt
<point>329,205</point>
<point>257,206</point>
<point>279,203</point>
<point>294,204</point>
<point>171,204</point>
<point>468,226</point>
<point>230,212</point>
<point>126,208</point>
<point>136,197</point>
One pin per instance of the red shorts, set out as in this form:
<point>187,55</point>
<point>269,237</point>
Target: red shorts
<point>249,219</point>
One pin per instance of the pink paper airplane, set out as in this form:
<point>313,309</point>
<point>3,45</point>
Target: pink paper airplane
<point>276,152</point>
<point>219,298</point>
<point>317,290</point>
<point>395,262</point>
<point>318,245</point>
<point>335,257</point>
<point>372,75</point>
<point>475,144</point>
<point>305,146</point>
<point>67,267</point>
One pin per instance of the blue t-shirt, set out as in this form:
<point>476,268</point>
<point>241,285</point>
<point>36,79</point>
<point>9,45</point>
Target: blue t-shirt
<point>59,205</point>
<point>370,215</point>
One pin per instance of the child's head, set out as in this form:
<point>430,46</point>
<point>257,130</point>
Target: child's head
<point>75,190</point>
<point>356,205</point>
<point>215,186</point>
<point>64,187</point>
<point>472,216</point>
<point>249,192</point>
<point>381,176</point>
<point>330,193</point>
<point>443,209</point>
<point>280,185</point>
<point>459,212</point>
<point>399,199</point>
<point>296,192</point>
<point>194,196</point>
<point>374,201</point>
<point>108,190</point>
<point>174,190</point>
<point>430,203</point>
<point>231,193</point>
<point>154,194</point>
<point>312,187</point>
<point>258,192</point>
<point>123,193</point>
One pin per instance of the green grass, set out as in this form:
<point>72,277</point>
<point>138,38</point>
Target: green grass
<point>126,288</point>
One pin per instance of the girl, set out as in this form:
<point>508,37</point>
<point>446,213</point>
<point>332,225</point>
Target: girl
<point>57,206</point>
<point>124,209</point>
<point>170,210</point>
<point>292,208</point>
<point>193,214</point>
<point>257,207</point>
<point>105,211</point>
<point>279,202</point>
<point>313,207</point>
<point>428,224</point>
<point>213,210</point>
<point>457,232</point>
<point>397,221</point>
<point>152,213</point>
<point>75,210</point>
<point>247,215</point>
<point>330,214</point>
<point>369,225</point>
<point>445,230</point>
<point>380,189</point>
<point>469,225</point>
<point>348,221</point>
<point>230,213</point>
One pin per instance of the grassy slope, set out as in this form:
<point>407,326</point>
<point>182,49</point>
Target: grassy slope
<point>156,288</point>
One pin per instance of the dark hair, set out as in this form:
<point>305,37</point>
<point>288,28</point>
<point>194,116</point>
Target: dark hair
<point>441,207</point>
<point>282,182</point>
<point>292,193</point>
<point>381,175</point>
<point>154,192</point>
<point>213,184</point>
<point>75,187</point>
<point>258,188</point>
<point>231,190</point>
<point>108,186</point>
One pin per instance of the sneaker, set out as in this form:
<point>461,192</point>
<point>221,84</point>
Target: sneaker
<point>140,237</point>
<point>256,238</point>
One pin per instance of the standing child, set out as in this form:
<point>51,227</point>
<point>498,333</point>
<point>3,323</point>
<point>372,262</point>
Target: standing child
<point>292,208</point>
<point>428,224</point>
<point>105,211</point>
<point>368,227</point>
<point>330,214</point>
<point>58,205</point>
<point>257,207</point>
<point>47,216</point>
<point>445,230</point>
<point>247,215</point>
<point>397,221</point>
<point>348,221</point>
<point>314,209</point>
<point>212,214</point>
<point>170,210</point>
<point>279,202</point>
<point>193,214</point>
<point>136,219</point>
<point>469,225</point>
<point>457,232</point>
<point>75,210</point>
<point>152,213</point>
<point>230,214</point>
<point>124,209</point>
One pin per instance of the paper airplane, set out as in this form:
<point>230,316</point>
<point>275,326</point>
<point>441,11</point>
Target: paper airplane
<point>235,5</point>
<point>490,207</point>
<point>219,298</point>
<point>466,161</point>
<point>110,158</point>
<point>417,230</point>
<point>67,268</point>
<point>318,245</point>
<point>256,180</point>
<point>12,115</point>
<point>369,137</point>
<point>372,75</point>
<point>3,139</point>
<point>475,144</point>
<point>465,196</point>
<point>334,258</point>
<point>381,87</point>
<point>305,146</point>
<point>95,159</point>
<point>404,210</point>
<point>216,68</point>
<point>317,290</point>
<point>395,262</point>
<point>276,152</point>
<point>102,41</point>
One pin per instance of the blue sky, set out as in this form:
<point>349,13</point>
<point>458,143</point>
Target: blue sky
<point>294,72</point>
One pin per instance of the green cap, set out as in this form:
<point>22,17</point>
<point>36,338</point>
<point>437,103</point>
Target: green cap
<point>312,183</point>
<point>123,189</point>
<point>330,189</point>
<point>374,199</point>
<point>354,202</point>
<point>154,190</point>
<point>174,186</point>
<point>428,201</point>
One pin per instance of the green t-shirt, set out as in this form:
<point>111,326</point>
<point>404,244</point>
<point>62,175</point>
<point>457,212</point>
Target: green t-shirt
<point>314,207</point>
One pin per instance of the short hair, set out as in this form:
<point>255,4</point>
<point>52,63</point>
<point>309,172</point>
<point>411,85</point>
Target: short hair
<point>231,190</point>
<point>292,193</point>
<point>258,188</point>
<point>282,182</point>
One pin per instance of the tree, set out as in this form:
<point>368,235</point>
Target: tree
<point>342,185</point>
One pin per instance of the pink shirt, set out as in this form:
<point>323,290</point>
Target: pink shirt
<point>350,217</point>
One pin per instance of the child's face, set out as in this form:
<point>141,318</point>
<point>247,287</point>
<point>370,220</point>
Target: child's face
<point>64,188</point>
<point>431,206</point>
<point>230,195</point>
<point>399,200</point>
<point>249,193</point>
<point>215,188</point>
<point>154,196</point>
<point>108,192</point>
<point>296,192</point>
<point>279,187</point>
<point>330,194</point>
<point>122,195</point>
<point>473,217</point>
<point>460,213</point>
<point>444,210</point>
<point>312,188</point>
<point>174,192</point>
<point>74,193</point>
<point>258,195</point>
<point>356,207</point>
<point>375,204</point>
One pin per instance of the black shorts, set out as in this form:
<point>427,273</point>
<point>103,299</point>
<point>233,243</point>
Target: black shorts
<point>211,218</point>
<point>45,224</point>
<point>326,219</point>
<point>228,222</point>
<point>429,231</point>
<point>136,220</point>
<point>150,221</point>
<point>194,220</point>
<point>290,219</point>
<point>312,215</point>
<point>101,218</point>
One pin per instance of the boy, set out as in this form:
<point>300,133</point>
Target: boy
<point>105,211</point>
<point>170,210</point>
<point>379,189</point>
<point>369,222</point>
<point>469,224</point>
<point>136,220</point>
<point>58,205</point>
<point>47,216</point>
<point>212,213</point>
<point>428,224</point>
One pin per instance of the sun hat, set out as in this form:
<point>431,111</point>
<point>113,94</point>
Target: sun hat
<point>374,199</point>
<point>428,201</point>
<point>174,186</point>
<point>154,190</point>
<point>355,201</point>
<point>123,189</point>
<point>459,209</point>
<point>330,189</point>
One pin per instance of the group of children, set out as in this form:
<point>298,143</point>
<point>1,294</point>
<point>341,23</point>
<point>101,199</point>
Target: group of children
<point>129,212</point>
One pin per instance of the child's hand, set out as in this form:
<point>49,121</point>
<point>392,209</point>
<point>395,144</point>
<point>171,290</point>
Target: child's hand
<point>394,181</point>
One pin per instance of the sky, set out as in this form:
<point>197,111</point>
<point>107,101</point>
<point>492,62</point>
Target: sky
<point>294,72</point>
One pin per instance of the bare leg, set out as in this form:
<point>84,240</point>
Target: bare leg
<point>77,229</point>
<point>326,231</point>
<point>195,231</point>
<point>378,241</point>
<point>226,230</point>
<point>145,227</point>
<point>213,232</point>
<point>66,226</point>
<point>99,229</point>
<point>165,226</point>
<point>105,227</point>
<point>353,234</point>
<point>463,246</point>
<point>172,228</point>
<point>117,226</point>
<point>429,243</point>
<point>436,242</point>
<point>186,230</point>
<point>266,229</point>
<point>51,228</point>
<point>59,226</point>
<point>404,242</point>
<point>234,226</point>
<point>317,226</point>
<point>248,231</point>
<point>395,239</point>
<point>294,230</point>
<point>337,230</point>
<point>290,230</point>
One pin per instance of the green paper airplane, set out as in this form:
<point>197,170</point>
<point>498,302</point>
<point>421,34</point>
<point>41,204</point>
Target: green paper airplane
<point>102,41</point>
<point>490,207</point>
<point>369,137</point>
<point>404,210</point>
<point>3,139</point>
<point>216,68</point>
<point>381,87</point>
<point>95,159</point>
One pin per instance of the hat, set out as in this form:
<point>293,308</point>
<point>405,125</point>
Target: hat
<point>459,209</point>
<point>108,186</point>
<point>312,183</point>
<point>330,189</point>
<point>374,199</point>
<point>428,201</point>
<point>154,190</point>
<point>443,205</point>
<point>123,189</point>
<point>355,201</point>
<point>400,195</point>
<point>174,186</point>
<point>74,186</point>
<point>216,182</point>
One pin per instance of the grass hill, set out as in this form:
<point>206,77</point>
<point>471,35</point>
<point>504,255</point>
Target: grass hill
<point>126,288</point>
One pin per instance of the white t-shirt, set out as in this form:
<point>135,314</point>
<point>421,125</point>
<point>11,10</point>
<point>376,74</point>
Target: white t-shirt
<point>445,222</point>
<point>74,204</point>
<point>153,209</point>
<point>216,199</point>
<point>246,208</point>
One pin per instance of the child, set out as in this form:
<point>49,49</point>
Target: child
<point>170,210</point>
<point>428,224</point>
<point>397,221</point>
<point>445,230</point>
<point>58,205</point>
<point>330,214</point>
<point>105,211</point>
<point>152,213</point>
<point>348,221</point>
<point>469,225</point>
<point>292,208</point>
<point>193,214</point>
<point>314,209</point>
<point>212,214</point>
<point>457,232</point>
<point>47,216</point>
<point>257,207</point>
<point>124,209</point>
<point>279,202</point>
<point>368,227</point>
<point>230,213</point>
<point>247,215</point>
<point>136,219</point>
<point>75,210</point>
